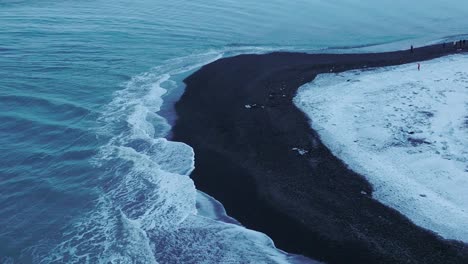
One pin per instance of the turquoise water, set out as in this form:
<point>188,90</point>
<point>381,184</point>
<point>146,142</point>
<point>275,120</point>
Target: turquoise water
<point>86,95</point>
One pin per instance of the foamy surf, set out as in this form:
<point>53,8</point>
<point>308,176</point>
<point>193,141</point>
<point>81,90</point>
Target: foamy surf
<point>149,210</point>
<point>406,131</point>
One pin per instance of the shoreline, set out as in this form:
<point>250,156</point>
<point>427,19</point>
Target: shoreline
<point>238,115</point>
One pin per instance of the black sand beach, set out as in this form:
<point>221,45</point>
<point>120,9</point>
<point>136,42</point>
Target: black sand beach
<point>308,204</point>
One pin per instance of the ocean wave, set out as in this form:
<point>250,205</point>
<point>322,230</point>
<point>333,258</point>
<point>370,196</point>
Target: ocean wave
<point>147,210</point>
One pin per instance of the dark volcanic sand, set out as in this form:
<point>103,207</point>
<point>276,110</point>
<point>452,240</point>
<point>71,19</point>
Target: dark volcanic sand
<point>312,204</point>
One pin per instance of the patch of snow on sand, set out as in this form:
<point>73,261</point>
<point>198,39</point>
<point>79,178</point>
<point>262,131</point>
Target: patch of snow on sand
<point>406,131</point>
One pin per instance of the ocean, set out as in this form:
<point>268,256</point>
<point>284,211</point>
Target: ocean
<point>88,173</point>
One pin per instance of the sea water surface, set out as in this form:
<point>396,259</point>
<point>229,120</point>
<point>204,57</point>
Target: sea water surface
<point>88,173</point>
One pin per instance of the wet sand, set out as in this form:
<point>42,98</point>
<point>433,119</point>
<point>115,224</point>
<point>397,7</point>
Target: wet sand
<point>238,115</point>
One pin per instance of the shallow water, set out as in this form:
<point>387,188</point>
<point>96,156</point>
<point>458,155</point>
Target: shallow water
<point>86,96</point>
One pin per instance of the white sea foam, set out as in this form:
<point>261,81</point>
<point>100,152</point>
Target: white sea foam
<point>147,210</point>
<point>406,131</point>
<point>209,207</point>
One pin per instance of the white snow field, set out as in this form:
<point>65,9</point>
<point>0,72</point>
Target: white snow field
<point>406,131</point>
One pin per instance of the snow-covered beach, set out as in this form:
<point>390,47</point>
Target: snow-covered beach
<point>256,153</point>
<point>406,131</point>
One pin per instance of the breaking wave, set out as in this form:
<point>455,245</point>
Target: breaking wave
<point>147,206</point>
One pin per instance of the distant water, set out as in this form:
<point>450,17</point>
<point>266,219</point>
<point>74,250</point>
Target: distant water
<point>86,96</point>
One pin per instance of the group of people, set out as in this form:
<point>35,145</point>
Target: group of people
<point>456,44</point>
<point>459,45</point>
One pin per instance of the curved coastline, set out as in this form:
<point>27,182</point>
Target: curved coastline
<point>238,115</point>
